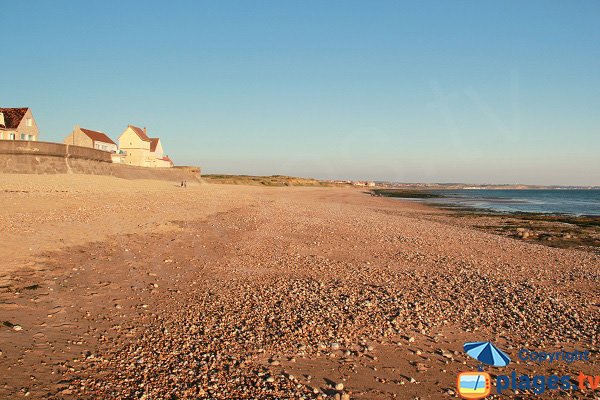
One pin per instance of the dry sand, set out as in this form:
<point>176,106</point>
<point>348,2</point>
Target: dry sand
<point>141,289</point>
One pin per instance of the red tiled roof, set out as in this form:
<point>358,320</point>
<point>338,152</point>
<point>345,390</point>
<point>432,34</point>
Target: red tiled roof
<point>166,158</point>
<point>140,133</point>
<point>97,136</point>
<point>153,143</point>
<point>13,117</point>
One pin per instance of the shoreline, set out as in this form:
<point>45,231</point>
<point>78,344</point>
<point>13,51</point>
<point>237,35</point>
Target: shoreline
<point>550,229</point>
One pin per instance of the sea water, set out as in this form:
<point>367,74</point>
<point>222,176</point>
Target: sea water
<point>546,201</point>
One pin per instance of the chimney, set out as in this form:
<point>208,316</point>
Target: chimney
<point>2,120</point>
<point>145,131</point>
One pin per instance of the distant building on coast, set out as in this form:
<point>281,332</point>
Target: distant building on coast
<point>89,138</point>
<point>18,124</point>
<point>363,183</point>
<point>137,148</point>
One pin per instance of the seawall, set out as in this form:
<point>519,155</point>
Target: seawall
<point>25,157</point>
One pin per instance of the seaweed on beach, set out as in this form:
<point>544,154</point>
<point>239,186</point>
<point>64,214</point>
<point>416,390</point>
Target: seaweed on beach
<point>405,193</point>
<point>581,221</point>
<point>554,230</point>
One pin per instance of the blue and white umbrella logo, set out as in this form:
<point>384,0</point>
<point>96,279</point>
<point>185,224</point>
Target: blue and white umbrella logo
<point>487,353</point>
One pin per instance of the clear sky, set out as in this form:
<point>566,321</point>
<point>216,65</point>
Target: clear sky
<point>436,91</point>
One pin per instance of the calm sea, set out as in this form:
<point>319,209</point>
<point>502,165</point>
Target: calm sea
<point>567,201</point>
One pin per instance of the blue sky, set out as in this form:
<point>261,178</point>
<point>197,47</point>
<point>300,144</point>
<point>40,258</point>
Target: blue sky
<point>436,91</point>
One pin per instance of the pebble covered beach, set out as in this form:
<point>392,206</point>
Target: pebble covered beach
<point>142,289</point>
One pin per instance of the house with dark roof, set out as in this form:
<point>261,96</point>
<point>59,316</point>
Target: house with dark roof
<point>17,124</point>
<point>141,150</point>
<point>89,138</point>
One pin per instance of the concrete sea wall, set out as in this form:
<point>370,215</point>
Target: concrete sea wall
<point>25,157</point>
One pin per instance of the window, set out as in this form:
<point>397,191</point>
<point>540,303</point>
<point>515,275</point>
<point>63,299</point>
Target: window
<point>29,122</point>
<point>11,136</point>
<point>1,135</point>
<point>23,136</point>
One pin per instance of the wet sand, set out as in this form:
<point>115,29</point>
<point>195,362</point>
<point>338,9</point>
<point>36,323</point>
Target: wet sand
<point>141,289</point>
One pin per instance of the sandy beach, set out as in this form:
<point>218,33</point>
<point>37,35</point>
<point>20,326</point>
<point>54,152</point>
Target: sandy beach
<point>113,288</point>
